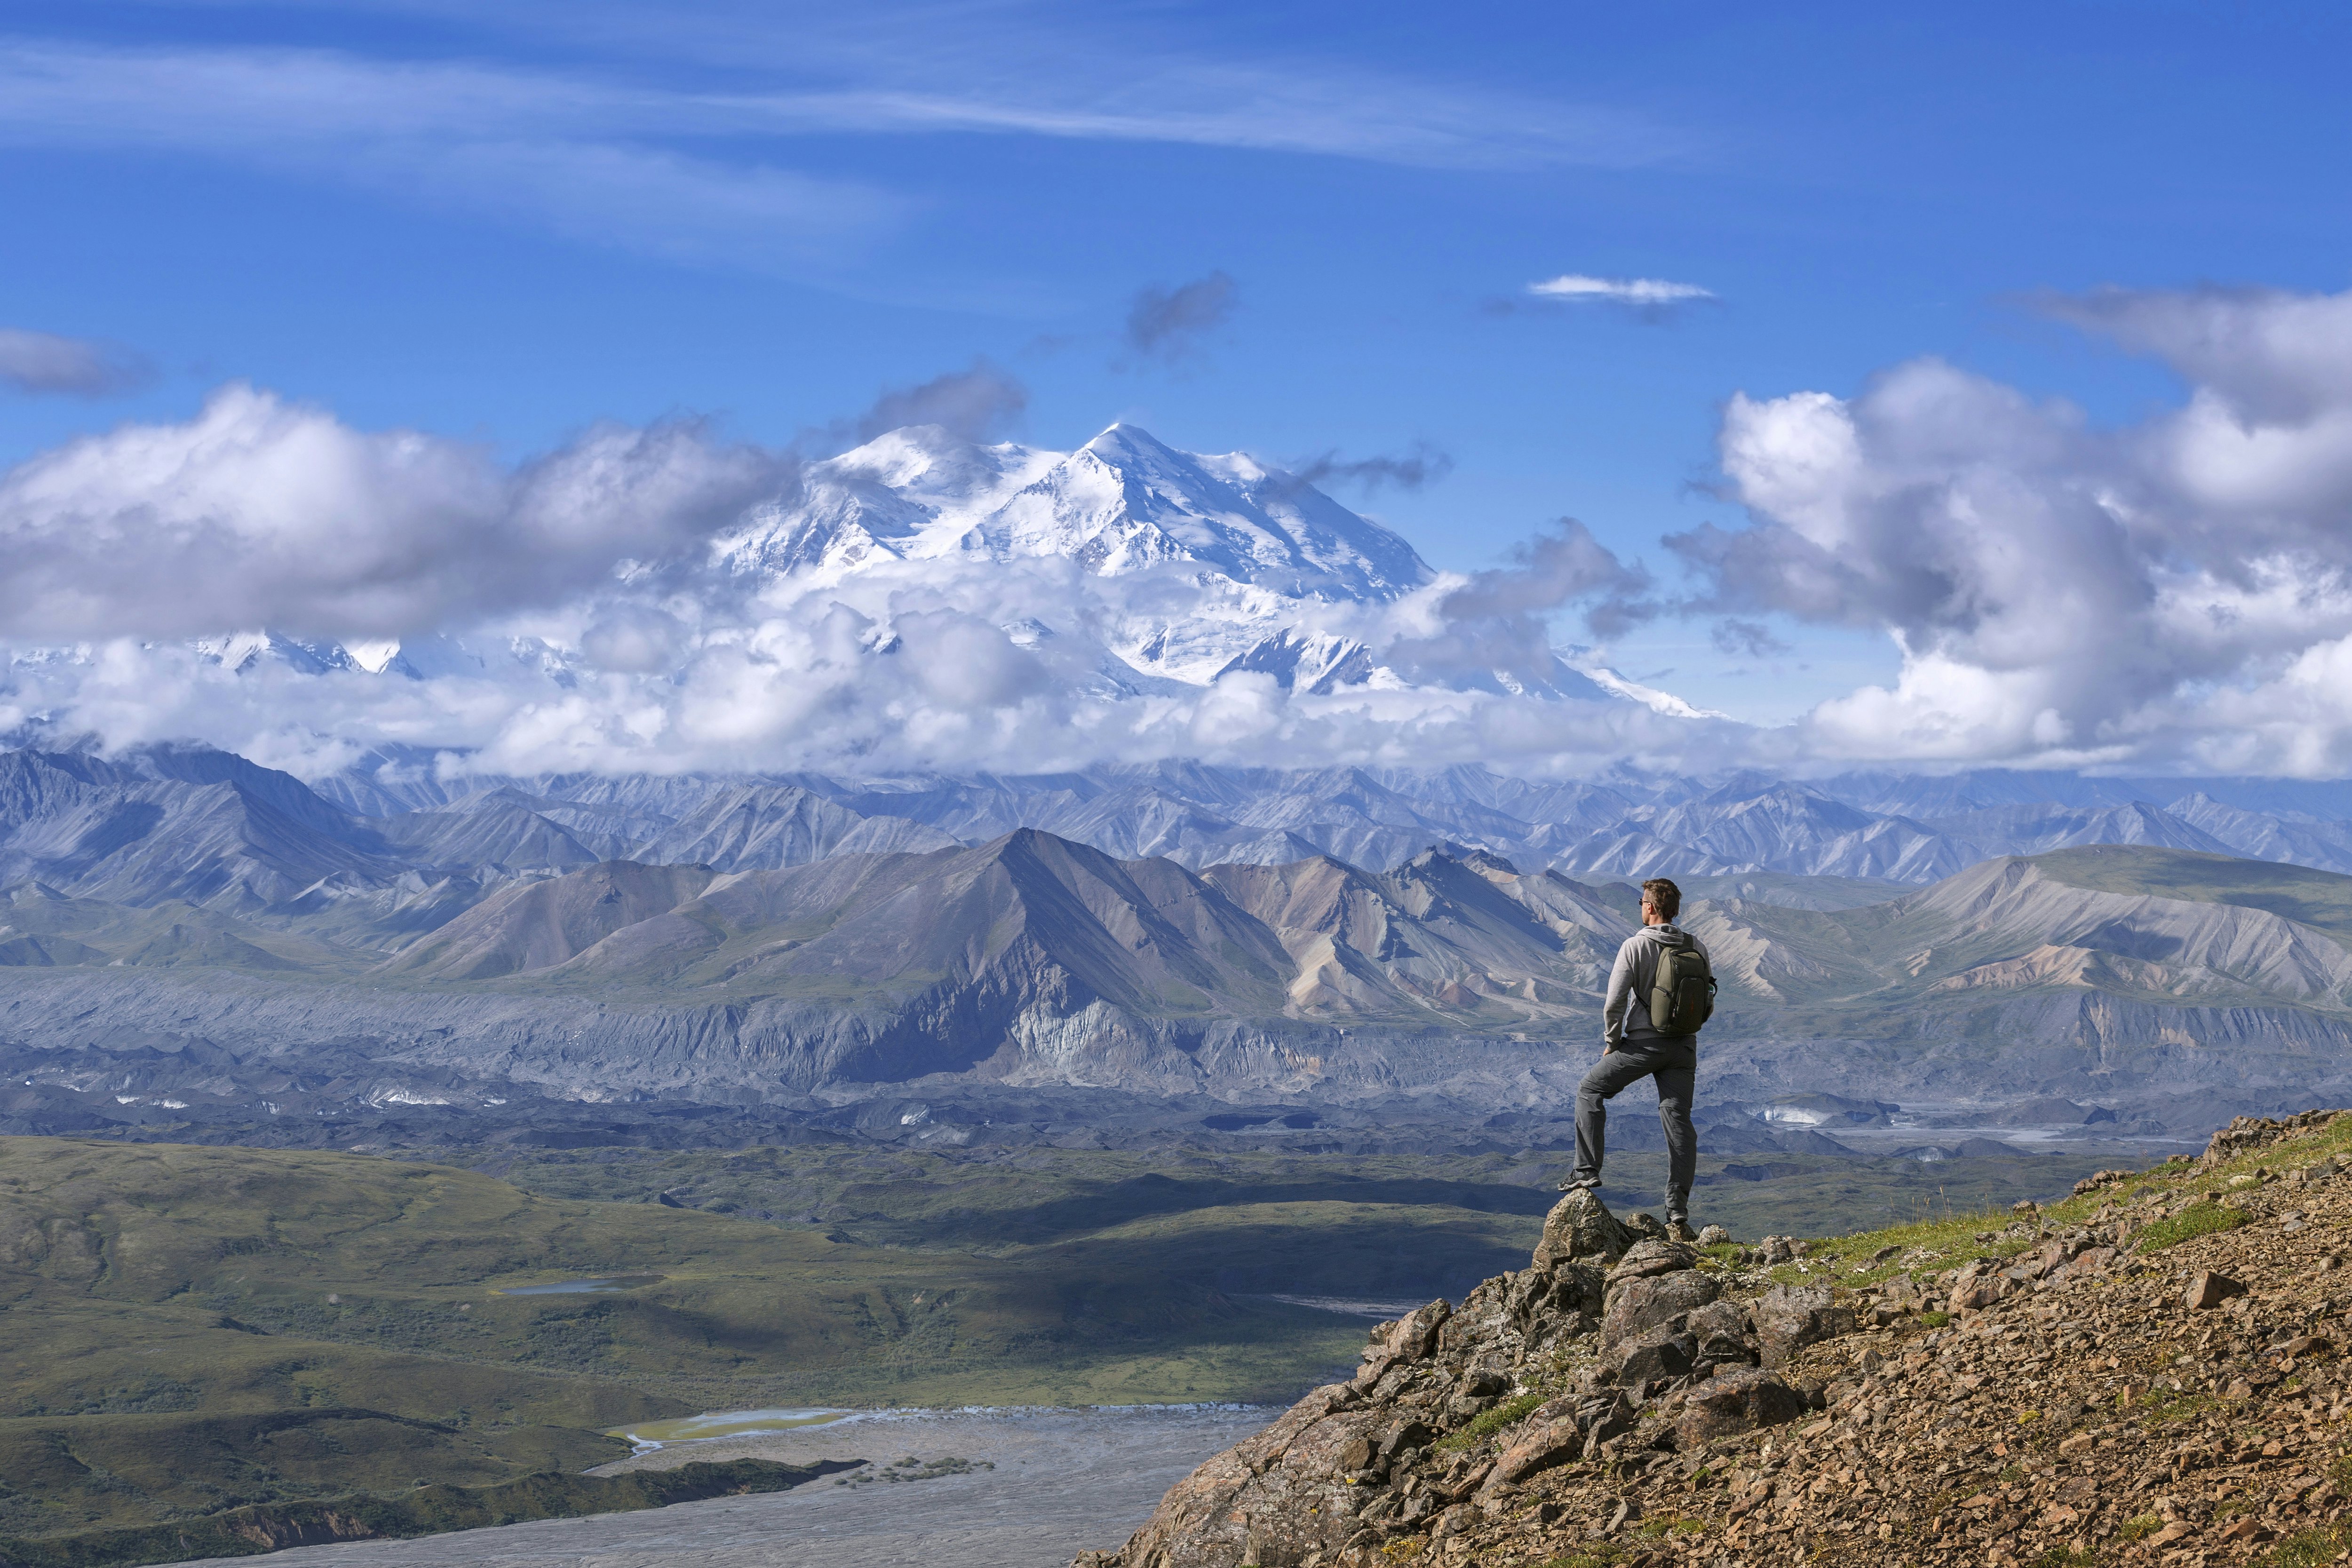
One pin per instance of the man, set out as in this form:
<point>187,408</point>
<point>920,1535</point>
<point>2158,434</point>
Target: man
<point>1632,1048</point>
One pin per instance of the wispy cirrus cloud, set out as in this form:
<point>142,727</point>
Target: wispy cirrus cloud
<point>1642,293</point>
<point>592,161</point>
<point>709,171</point>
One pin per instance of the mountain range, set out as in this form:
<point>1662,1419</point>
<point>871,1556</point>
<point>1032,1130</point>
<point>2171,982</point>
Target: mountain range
<point>187,932</point>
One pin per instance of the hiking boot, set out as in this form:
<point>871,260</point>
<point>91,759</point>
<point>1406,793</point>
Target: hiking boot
<point>1678,1229</point>
<point>1577,1184</point>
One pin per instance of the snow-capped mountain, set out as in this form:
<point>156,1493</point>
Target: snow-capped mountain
<point>1229,566</point>
<point>922,602</point>
<point>1254,547</point>
<point>1124,502</point>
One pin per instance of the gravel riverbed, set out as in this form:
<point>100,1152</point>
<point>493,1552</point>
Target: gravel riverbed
<point>1063,1480</point>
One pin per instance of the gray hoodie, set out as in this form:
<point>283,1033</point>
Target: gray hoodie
<point>1625,1016</point>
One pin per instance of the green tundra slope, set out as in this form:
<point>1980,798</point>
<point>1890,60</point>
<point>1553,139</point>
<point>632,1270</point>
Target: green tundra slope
<point>184,1330</point>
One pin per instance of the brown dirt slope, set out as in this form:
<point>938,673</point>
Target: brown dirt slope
<point>2148,1372</point>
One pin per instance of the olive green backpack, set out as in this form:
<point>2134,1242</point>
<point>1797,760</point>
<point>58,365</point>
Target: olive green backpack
<point>1682,995</point>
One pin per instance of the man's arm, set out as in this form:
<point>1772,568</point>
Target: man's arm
<point>1621,994</point>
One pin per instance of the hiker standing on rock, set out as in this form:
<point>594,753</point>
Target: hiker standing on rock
<point>1661,990</point>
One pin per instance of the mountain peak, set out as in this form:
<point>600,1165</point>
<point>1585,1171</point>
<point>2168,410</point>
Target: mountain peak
<point>1120,439</point>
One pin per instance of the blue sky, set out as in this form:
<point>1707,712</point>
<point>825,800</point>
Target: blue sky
<point>501,221</point>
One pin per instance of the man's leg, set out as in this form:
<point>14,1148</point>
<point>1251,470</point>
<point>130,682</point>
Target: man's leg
<point>1612,1072</point>
<point>1676,1085</point>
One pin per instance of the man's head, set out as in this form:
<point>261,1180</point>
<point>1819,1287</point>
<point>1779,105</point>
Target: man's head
<point>1661,903</point>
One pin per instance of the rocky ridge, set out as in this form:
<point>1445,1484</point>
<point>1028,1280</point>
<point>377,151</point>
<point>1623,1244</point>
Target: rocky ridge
<point>2146,1371</point>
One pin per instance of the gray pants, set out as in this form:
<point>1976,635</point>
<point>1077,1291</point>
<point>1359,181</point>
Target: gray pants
<point>1675,1067</point>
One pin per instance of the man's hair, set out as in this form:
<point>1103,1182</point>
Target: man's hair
<point>1662,896</point>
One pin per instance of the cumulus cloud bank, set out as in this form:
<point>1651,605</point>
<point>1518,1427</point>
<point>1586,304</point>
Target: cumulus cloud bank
<point>597,608</point>
<point>2172,592</point>
<point>258,512</point>
<point>2176,591</point>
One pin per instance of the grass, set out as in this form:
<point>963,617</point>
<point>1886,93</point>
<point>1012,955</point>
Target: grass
<point>2197,1219</point>
<point>1652,1528</point>
<point>1510,1413</point>
<point>2310,1547</point>
<point>988,1197</point>
<point>2168,1407</point>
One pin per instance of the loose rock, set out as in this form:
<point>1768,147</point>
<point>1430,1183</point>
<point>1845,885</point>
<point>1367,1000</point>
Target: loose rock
<point>2210,1290</point>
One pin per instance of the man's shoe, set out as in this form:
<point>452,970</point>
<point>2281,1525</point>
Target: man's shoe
<point>1678,1229</point>
<point>1579,1184</point>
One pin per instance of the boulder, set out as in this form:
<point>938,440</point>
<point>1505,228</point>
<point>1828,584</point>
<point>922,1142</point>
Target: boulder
<point>1478,1322</point>
<point>1647,1260</point>
<point>1409,1338</point>
<point>1664,1352</point>
<point>1790,1317</point>
<point>1975,1295</point>
<point>2210,1290</point>
<point>1403,1435</point>
<point>1714,1235</point>
<point>1540,1446</point>
<point>1275,1496</point>
<point>1547,1304</point>
<point>1581,1227</point>
<point>1637,1306</point>
<point>1723,1333</point>
<point>1733,1401</point>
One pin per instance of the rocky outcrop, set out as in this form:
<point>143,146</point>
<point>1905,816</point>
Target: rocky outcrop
<point>2246,1134</point>
<point>1613,1339</point>
<point>2115,1381</point>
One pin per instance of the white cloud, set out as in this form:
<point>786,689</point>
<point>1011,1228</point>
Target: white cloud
<point>2174,593</point>
<point>2165,593</point>
<point>258,512</point>
<point>1641,292</point>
